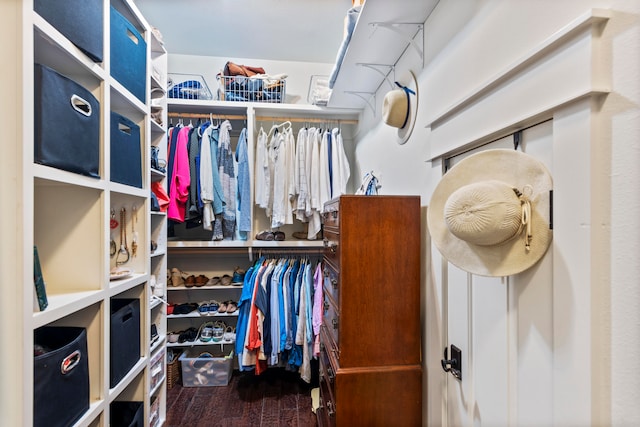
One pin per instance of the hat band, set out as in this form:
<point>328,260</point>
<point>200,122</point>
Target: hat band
<point>408,92</point>
<point>525,201</point>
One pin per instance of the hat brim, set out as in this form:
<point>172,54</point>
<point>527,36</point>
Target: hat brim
<point>405,132</point>
<point>511,257</point>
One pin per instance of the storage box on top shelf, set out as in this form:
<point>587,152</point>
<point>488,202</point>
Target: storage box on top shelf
<point>66,123</point>
<point>205,369</point>
<point>128,55</point>
<point>80,21</point>
<point>126,151</point>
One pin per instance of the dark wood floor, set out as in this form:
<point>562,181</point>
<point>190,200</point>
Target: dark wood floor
<point>275,398</point>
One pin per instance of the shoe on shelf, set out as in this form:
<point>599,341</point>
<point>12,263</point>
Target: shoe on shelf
<point>218,331</point>
<point>213,307</point>
<point>203,308</point>
<point>278,235</point>
<point>201,280</point>
<point>223,307</point>
<point>185,308</point>
<point>172,337</point>
<point>225,280</point>
<point>177,277</point>
<point>190,281</point>
<point>215,280</point>
<point>229,334</point>
<point>189,335</point>
<point>265,235</point>
<point>154,333</point>
<point>238,276</point>
<point>206,332</point>
<point>231,307</point>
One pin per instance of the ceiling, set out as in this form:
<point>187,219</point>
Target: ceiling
<point>286,30</point>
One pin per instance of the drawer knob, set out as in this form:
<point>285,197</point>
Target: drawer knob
<point>330,245</point>
<point>330,411</point>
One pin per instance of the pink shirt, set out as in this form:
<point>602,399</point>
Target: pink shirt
<point>179,185</point>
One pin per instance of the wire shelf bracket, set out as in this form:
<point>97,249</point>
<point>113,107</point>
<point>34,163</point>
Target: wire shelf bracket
<point>398,28</point>
<point>377,69</point>
<point>366,99</point>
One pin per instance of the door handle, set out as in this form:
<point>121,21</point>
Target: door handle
<point>453,365</point>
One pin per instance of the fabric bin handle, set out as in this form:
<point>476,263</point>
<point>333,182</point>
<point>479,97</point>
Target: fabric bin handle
<point>70,362</point>
<point>81,105</point>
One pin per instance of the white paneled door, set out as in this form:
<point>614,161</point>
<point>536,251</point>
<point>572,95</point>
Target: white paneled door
<point>504,329</point>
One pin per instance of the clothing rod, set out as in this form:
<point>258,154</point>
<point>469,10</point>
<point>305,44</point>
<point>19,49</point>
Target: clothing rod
<point>306,120</point>
<point>261,118</point>
<point>207,115</point>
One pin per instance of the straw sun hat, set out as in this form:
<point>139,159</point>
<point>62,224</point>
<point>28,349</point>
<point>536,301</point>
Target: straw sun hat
<point>400,107</point>
<point>490,214</point>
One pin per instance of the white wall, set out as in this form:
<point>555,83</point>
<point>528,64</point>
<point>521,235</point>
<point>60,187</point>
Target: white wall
<point>467,43</point>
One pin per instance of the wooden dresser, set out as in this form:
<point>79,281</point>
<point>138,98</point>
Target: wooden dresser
<point>370,360</point>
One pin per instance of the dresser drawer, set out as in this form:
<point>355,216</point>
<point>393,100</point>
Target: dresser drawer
<point>331,319</point>
<point>331,215</point>
<point>327,374</point>
<point>326,413</point>
<point>332,282</point>
<point>332,247</point>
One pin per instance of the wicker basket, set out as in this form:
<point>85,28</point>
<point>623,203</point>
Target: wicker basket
<point>174,370</point>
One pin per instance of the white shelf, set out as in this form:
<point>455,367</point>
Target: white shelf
<point>196,315</point>
<point>197,342</point>
<point>203,288</point>
<point>57,176</point>
<point>230,244</point>
<point>155,127</point>
<point>389,47</point>
<point>62,305</point>
<point>158,344</point>
<point>118,286</point>
<point>137,369</point>
<point>160,384</point>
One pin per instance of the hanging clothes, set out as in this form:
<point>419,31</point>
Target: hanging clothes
<point>262,173</point>
<point>193,211</point>
<point>244,185</point>
<point>226,170</point>
<point>210,186</point>
<point>179,184</point>
<point>341,170</point>
<point>275,324</point>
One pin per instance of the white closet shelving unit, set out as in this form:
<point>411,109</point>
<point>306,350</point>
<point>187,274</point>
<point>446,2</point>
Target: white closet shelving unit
<point>67,217</point>
<point>158,232</point>
<point>199,255</point>
<point>380,37</point>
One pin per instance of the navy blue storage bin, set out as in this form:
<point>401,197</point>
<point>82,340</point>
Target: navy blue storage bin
<point>127,414</point>
<point>125,337</point>
<point>60,376</point>
<point>126,155</point>
<point>128,55</point>
<point>81,21</point>
<point>67,124</point>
